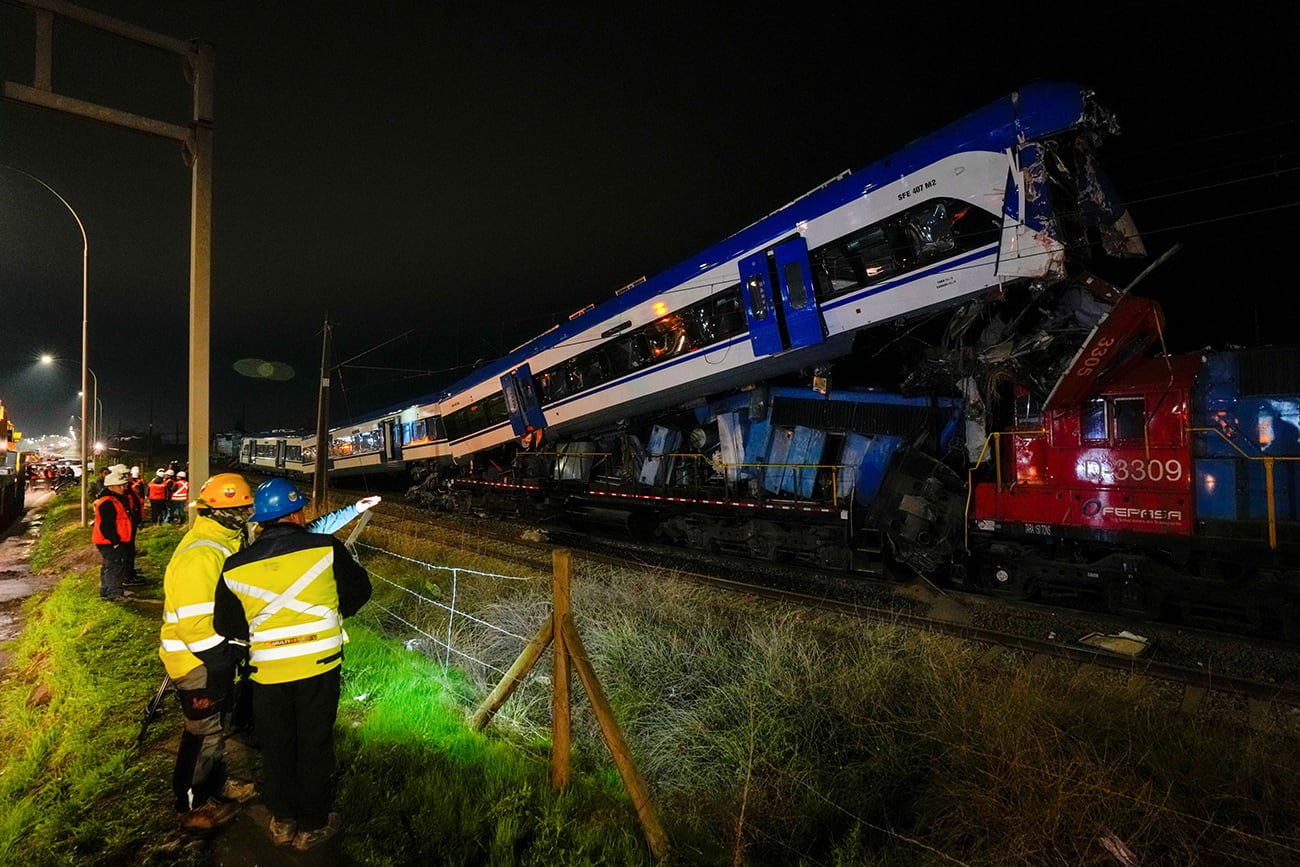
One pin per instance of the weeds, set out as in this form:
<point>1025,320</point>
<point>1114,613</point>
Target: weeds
<point>769,736</point>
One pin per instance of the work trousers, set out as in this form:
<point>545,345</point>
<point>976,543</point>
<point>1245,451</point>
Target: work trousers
<point>116,569</point>
<point>200,767</point>
<point>295,725</point>
<point>158,510</point>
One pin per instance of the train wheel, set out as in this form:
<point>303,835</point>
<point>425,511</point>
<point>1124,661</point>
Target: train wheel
<point>1132,597</point>
<point>1010,582</point>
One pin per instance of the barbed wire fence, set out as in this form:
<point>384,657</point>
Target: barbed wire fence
<point>435,623</point>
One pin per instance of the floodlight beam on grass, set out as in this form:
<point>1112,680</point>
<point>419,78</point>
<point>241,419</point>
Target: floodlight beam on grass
<point>435,603</point>
<point>400,619</point>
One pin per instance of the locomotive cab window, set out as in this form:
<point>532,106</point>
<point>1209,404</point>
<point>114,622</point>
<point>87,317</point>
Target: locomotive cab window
<point>1130,418</point>
<point>1092,421</point>
<point>1123,419</point>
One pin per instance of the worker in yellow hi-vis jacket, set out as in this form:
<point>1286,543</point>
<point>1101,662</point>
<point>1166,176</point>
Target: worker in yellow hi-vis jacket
<point>286,595</point>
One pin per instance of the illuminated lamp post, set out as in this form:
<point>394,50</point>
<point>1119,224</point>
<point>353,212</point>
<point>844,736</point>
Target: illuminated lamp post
<point>85,262</point>
<point>99,412</point>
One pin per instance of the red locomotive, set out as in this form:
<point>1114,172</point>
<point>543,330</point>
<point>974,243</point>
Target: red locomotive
<point>1163,484</point>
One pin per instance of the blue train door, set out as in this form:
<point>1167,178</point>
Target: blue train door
<point>524,408</point>
<point>803,320</point>
<point>780,304</point>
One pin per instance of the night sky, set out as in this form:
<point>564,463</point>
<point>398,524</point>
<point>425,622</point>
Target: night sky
<point>445,181</point>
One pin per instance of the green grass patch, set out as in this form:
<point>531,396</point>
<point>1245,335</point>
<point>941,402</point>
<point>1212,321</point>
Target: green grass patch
<point>767,735</point>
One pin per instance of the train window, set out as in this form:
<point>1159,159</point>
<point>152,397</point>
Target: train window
<point>795,286</point>
<point>702,324</point>
<point>757,288</point>
<point>667,337</point>
<point>929,231</point>
<point>1130,418</point>
<point>1092,420</point>
<point>478,416</point>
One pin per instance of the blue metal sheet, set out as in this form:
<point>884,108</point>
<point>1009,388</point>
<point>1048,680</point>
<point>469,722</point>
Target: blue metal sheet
<point>777,450</point>
<point>802,457</point>
<point>875,463</point>
<point>852,452</point>
<point>1216,490</point>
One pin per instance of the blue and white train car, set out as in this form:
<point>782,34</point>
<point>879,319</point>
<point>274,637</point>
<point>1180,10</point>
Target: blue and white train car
<point>1008,194</point>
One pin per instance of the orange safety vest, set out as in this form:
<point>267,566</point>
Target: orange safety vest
<point>123,518</point>
<point>158,489</point>
<point>181,492</point>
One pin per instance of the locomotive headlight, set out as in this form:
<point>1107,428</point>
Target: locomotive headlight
<point>1002,576</point>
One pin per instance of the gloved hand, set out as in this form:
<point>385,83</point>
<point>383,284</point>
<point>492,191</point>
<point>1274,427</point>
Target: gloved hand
<point>367,503</point>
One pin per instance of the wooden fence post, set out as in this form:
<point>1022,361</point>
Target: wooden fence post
<point>560,704</point>
<point>558,631</point>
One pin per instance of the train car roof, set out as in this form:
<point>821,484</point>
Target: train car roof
<point>1035,111</point>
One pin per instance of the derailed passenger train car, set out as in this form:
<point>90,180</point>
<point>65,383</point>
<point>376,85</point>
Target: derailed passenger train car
<point>908,370</point>
<point>1009,196</point>
<point>797,390</point>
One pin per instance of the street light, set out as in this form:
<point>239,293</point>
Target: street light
<point>85,311</point>
<point>99,411</point>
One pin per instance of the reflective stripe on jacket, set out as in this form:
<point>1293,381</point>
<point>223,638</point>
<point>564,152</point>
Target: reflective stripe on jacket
<point>121,521</point>
<point>188,588</point>
<point>291,604</point>
<point>181,492</point>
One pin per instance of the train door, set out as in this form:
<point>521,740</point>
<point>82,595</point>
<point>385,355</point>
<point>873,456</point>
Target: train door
<point>522,403</point>
<point>779,300</point>
<point>392,440</point>
<point>279,454</point>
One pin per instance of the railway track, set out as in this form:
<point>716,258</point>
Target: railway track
<point>1257,679</point>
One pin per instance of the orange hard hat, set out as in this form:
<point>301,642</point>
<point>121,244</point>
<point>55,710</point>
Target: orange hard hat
<point>224,491</point>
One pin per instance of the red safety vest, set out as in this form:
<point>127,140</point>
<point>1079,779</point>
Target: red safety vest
<point>181,492</point>
<point>158,489</point>
<point>123,518</point>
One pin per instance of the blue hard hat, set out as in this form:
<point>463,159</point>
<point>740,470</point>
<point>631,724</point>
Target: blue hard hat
<point>276,498</point>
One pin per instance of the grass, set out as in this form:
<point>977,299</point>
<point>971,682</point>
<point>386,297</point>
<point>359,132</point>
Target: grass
<point>768,736</point>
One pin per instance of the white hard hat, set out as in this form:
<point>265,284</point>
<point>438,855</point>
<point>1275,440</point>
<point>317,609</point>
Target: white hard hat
<point>135,472</point>
<point>181,474</point>
<point>115,477</point>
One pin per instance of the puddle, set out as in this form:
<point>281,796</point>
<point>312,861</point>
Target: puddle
<point>17,582</point>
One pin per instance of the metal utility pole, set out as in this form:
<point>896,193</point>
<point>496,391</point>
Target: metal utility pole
<point>196,142</point>
<point>319,484</point>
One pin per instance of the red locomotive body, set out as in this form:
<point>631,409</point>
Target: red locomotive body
<point>1115,467</point>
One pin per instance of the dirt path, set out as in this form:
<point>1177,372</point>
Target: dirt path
<point>17,581</point>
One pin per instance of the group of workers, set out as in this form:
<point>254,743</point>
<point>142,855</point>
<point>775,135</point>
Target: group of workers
<point>271,610</point>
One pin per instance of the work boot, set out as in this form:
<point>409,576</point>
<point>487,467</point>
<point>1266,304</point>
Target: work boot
<point>304,840</point>
<point>238,790</point>
<point>282,832</point>
<point>211,815</point>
